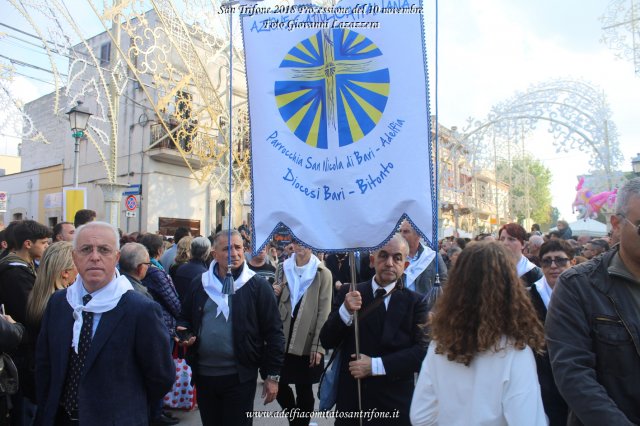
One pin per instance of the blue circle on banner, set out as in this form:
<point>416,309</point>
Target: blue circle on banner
<point>336,84</point>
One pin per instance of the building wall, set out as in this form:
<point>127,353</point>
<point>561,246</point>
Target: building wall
<point>28,191</point>
<point>10,164</point>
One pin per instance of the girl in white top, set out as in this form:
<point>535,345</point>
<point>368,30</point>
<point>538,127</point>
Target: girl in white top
<point>480,368</point>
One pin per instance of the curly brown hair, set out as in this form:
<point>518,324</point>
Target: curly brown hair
<point>483,301</point>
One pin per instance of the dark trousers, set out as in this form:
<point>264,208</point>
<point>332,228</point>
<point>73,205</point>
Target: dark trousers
<point>63,419</point>
<point>304,402</point>
<point>224,401</point>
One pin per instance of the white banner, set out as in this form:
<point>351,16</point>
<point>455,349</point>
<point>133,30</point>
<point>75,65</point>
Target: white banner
<point>339,122</point>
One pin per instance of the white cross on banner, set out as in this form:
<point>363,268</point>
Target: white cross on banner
<point>340,126</point>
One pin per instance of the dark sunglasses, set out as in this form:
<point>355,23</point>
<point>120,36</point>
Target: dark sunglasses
<point>559,261</point>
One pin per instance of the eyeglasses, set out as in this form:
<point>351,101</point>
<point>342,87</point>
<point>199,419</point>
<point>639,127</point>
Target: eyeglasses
<point>102,250</point>
<point>630,223</point>
<point>559,261</point>
<point>145,263</point>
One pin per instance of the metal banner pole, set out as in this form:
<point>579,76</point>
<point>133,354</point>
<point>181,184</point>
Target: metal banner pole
<point>356,330</point>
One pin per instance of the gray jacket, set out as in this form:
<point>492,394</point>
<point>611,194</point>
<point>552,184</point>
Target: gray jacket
<point>593,338</point>
<point>425,280</point>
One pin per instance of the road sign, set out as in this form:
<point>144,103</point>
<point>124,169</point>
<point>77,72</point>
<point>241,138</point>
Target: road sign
<point>3,201</point>
<point>131,202</point>
<point>135,189</point>
<point>131,214</point>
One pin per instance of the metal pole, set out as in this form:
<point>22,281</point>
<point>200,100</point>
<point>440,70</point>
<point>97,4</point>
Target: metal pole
<point>76,163</point>
<point>356,329</point>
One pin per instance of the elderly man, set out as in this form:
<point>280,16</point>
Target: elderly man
<point>233,335</point>
<point>534,244</point>
<point>134,264</point>
<point>421,272</point>
<point>593,326</point>
<point>393,341</point>
<point>103,351</point>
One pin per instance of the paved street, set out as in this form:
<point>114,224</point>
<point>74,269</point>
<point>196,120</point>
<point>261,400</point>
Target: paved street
<point>193,418</point>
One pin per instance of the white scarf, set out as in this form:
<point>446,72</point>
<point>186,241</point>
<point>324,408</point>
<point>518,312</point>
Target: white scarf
<point>299,284</point>
<point>545,290</point>
<point>524,266</point>
<point>101,301</point>
<point>213,287</point>
<point>416,267</point>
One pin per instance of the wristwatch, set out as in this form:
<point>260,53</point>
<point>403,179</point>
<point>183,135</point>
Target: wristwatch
<point>274,378</point>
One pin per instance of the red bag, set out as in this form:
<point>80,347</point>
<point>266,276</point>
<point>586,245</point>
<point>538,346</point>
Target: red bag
<point>182,395</point>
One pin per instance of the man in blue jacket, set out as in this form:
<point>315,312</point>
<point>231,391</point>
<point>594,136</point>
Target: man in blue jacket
<point>103,351</point>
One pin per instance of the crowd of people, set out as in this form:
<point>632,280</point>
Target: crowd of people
<point>529,329</point>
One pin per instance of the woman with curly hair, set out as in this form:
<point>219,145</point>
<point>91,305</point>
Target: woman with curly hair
<point>480,366</point>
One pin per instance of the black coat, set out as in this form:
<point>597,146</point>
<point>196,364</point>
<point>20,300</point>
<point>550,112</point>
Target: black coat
<point>554,405</point>
<point>258,340</point>
<point>399,339</point>
<point>16,282</point>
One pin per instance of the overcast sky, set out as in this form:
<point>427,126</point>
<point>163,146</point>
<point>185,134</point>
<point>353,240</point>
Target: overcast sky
<point>488,50</point>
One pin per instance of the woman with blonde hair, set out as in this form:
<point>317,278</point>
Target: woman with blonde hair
<point>183,255</point>
<point>56,272</point>
<point>480,366</point>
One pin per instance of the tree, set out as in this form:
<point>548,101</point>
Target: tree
<point>529,193</point>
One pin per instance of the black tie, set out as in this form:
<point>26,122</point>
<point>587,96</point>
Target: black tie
<point>76,362</point>
<point>380,311</point>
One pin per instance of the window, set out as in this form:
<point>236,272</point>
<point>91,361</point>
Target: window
<point>105,54</point>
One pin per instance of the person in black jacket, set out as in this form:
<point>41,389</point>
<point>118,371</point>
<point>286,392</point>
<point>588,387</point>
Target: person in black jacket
<point>593,326</point>
<point>556,257</point>
<point>17,270</point>
<point>10,337</point>
<point>233,335</point>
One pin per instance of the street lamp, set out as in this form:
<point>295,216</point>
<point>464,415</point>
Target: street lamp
<point>78,119</point>
<point>635,164</point>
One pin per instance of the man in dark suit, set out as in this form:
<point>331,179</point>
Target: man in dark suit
<point>103,351</point>
<point>392,340</point>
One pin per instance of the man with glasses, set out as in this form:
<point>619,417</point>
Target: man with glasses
<point>556,256</point>
<point>103,351</point>
<point>593,326</point>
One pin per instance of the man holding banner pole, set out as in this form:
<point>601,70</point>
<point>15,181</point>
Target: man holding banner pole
<point>392,341</point>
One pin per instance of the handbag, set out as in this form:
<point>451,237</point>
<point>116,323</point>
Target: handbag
<point>328,386</point>
<point>8,375</point>
<point>182,394</point>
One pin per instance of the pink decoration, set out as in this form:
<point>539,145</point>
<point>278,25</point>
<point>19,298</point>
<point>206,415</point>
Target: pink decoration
<point>589,205</point>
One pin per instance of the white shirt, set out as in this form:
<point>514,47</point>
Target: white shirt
<point>377,367</point>
<point>498,388</point>
<point>545,290</point>
<point>524,265</point>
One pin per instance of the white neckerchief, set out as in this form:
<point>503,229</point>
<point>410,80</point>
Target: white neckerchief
<point>545,290</point>
<point>213,287</point>
<point>101,301</point>
<point>524,266</point>
<point>417,266</point>
<point>299,284</point>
